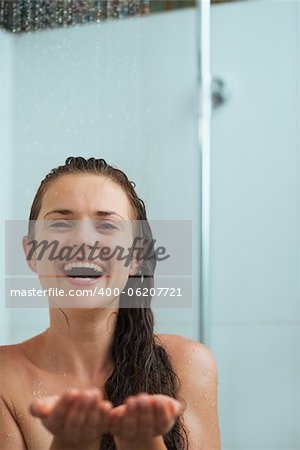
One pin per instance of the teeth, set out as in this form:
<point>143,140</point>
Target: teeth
<point>70,266</point>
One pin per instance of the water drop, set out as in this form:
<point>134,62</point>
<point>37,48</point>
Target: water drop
<point>213,404</point>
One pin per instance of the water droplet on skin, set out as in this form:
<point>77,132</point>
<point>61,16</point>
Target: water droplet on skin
<point>206,396</point>
<point>189,361</point>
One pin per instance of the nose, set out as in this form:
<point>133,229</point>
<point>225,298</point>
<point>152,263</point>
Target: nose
<point>85,233</point>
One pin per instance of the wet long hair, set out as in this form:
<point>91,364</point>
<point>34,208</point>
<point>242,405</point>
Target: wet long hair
<point>141,364</point>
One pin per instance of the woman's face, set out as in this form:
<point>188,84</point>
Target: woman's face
<point>80,215</point>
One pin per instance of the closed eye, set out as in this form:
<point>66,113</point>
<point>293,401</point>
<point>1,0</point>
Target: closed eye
<point>107,225</point>
<point>59,225</point>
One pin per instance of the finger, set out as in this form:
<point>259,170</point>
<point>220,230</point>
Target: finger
<point>104,409</point>
<point>130,419</point>
<point>55,421</point>
<point>115,421</point>
<point>91,424</point>
<point>163,420</point>
<point>175,407</point>
<point>145,415</point>
<point>75,419</point>
<point>42,408</point>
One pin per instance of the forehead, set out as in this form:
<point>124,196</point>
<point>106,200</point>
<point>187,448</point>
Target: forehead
<point>84,193</point>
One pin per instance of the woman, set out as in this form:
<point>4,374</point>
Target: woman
<point>98,377</point>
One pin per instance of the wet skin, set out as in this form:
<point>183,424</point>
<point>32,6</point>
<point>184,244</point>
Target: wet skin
<point>79,355</point>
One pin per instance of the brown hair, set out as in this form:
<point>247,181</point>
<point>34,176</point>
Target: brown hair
<point>140,363</point>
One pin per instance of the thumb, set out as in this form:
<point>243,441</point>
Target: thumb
<point>176,407</point>
<point>42,408</point>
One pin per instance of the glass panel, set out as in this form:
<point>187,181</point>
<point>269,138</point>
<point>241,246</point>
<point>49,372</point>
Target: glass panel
<point>124,89</point>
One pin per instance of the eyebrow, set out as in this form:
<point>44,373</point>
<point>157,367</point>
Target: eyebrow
<point>69,212</point>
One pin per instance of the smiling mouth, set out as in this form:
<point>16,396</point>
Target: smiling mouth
<point>84,270</point>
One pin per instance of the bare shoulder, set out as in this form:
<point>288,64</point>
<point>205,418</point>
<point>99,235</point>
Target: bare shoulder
<point>10,432</point>
<point>10,364</point>
<point>186,353</point>
<point>9,357</point>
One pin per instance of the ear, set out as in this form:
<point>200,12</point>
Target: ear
<point>30,258</point>
<point>135,266</point>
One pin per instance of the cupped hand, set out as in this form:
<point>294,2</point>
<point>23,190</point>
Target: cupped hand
<point>142,418</point>
<point>76,417</point>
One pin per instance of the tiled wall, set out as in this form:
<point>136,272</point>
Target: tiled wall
<point>255,268</point>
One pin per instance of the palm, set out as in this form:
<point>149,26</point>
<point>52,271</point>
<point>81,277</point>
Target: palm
<point>76,417</point>
<point>143,417</point>
<point>80,417</point>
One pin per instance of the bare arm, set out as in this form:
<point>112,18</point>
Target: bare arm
<point>200,382</point>
<point>10,433</point>
<point>155,444</point>
<point>195,365</point>
<point>59,445</point>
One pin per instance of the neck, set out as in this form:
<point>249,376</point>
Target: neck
<point>79,342</point>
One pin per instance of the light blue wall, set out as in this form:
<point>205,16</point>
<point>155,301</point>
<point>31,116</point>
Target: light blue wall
<point>123,90</point>
<point>255,267</point>
<point>6,140</point>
